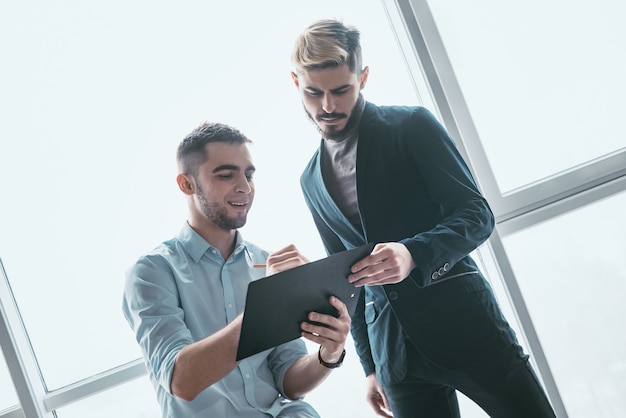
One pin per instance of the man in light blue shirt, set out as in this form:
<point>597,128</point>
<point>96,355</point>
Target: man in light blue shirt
<point>184,299</point>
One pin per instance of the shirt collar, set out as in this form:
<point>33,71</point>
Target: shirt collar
<point>196,246</point>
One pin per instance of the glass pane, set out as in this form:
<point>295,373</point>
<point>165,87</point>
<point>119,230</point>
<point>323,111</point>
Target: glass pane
<point>135,399</point>
<point>543,80</point>
<point>96,99</point>
<point>572,275</point>
<point>9,397</point>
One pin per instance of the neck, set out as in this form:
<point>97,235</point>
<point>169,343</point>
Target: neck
<point>222,239</point>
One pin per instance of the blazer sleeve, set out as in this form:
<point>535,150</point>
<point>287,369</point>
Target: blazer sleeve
<point>462,220</point>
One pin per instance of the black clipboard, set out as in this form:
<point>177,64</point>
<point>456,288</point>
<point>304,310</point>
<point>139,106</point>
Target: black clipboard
<point>276,305</point>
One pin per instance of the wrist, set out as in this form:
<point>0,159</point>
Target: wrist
<point>334,365</point>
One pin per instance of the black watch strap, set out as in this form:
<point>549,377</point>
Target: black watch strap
<point>330,365</point>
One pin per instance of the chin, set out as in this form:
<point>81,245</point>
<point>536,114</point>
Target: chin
<point>334,133</point>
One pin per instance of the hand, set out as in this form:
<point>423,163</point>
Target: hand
<point>388,263</point>
<point>328,331</point>
<point>285,259</point>
<point>375,396</point>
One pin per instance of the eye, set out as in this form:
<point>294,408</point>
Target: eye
<point>314,93</point>
<point>225,176</point>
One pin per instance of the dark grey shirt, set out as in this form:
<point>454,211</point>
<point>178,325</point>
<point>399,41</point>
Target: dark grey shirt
<point>339,168</point>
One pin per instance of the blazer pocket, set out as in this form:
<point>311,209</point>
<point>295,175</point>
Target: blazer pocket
<point>370,312</point>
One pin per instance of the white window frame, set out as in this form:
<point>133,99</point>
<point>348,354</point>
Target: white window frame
<point>35,399</point>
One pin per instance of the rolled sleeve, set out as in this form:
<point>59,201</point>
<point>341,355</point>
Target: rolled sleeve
<point>282,358</point>
<point>151,307</point>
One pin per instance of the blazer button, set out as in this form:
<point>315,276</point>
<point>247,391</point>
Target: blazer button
<point>393,295</point>
<point>446,267</point>
<point>441,271</point>
<point>435,275</point>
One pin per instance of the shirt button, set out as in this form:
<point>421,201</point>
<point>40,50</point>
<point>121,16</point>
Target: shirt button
<point>393,295</point>
<point>247,376</point>
<point>230,305</point>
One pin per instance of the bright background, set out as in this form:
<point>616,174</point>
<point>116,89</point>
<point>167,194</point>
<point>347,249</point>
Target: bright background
<point>95,96</point>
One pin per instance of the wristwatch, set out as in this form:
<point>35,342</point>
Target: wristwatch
<point>330,365</point>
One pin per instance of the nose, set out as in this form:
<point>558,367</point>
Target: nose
<point>328,103</point>
<point>244,185</point>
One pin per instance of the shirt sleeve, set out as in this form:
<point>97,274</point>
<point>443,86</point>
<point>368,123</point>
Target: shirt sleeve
<point>283,357</point>
<point>150,305</point>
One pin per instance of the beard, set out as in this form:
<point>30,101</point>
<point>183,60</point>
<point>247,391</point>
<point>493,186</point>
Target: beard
<point>332,132</point>
<point>217,214</point>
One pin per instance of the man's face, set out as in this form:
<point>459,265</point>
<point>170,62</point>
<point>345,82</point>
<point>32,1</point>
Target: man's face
<point>329,96</point>
<point>224,185</point>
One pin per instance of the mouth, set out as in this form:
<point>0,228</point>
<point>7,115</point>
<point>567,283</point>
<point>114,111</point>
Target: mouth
<point>238,204</point>
<point>331,118</point>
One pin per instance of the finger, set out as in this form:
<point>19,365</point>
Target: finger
<point>379,253</point>
<point>383,398</point>
<point>340,322</point>
<point>286,263</point>
<point>327,327</point>
<point>382,408</point>
<point>365,263</point>
<point>370,270</point>
<point>321,328</point>
<point>284,253</point>
<point>341,307</point>
<point>287,248</point>
<point>388,276</point>
<point>284,259</point>
<point>323,338</point>
<point>372,279</point>
<point>377,406</point>
<point>373,258</point>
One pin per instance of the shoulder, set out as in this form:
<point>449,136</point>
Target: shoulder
<point>158,260</point>
<point>397,116</point>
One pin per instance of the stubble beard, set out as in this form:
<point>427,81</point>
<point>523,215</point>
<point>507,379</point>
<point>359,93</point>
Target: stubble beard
<point>332,132</point>
<point>217,214</point>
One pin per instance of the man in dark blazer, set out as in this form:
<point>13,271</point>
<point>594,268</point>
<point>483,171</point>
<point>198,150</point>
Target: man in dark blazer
<point>427,323</point>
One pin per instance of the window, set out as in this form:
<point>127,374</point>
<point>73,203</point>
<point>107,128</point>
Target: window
<point>574,283</point>
<point>543,81</point>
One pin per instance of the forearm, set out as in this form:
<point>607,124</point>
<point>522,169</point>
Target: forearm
<point>306,374</point>
<point>203,363</point>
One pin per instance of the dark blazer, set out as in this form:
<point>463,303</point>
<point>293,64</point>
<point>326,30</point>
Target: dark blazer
<point>414,187</point>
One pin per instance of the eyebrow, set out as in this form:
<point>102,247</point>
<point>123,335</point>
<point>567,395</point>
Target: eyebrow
<point>232,167</point>
<point>335,90</point>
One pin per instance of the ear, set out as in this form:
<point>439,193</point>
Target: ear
<point>363,79</point>
<point>294,77</point>
<point>185,184</point>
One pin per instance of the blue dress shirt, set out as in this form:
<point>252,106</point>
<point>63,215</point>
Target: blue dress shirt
<point>184,291</point>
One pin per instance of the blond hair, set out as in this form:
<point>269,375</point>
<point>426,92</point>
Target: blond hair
<point>328,43</point>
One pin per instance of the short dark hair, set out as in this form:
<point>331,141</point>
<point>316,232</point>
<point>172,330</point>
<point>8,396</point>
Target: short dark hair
<point>191,152</point>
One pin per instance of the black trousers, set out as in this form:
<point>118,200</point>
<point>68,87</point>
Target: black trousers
<point>504,386</point>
